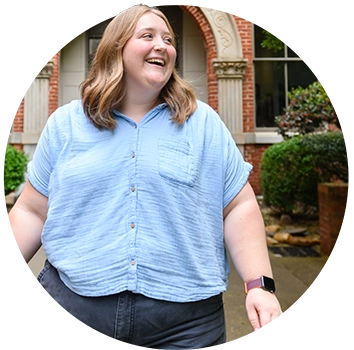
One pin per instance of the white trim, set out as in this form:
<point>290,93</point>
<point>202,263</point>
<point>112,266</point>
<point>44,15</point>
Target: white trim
<point>278,59</point>
<point>262,137</point>
<point>28,138</point>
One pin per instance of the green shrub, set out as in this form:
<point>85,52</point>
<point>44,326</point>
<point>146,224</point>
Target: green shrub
<point>309,110</point>
<point>291,170</point>
<point>14,169</point>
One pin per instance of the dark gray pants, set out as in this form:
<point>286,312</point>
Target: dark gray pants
<point>138,320</point>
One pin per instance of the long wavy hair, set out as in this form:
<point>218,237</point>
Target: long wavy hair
<point>103,90</point>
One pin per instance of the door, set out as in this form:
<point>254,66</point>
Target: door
<point>194,58</point>
<point>73,63</point>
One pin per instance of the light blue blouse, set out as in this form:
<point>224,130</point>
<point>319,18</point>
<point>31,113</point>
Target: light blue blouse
<point>139,208</point>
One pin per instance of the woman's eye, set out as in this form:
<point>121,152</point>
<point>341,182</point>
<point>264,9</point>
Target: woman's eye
<point>168,40</point>
<point>147,36</point>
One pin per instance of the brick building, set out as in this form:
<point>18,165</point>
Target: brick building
<point>219,53</point>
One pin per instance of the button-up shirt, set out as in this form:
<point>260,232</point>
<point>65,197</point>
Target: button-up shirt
<point>140,207</point>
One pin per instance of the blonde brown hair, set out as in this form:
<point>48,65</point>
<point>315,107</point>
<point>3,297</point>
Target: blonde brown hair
<point>103,91</point>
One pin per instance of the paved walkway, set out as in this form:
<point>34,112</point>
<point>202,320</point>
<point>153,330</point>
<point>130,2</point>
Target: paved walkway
<point>307,288</point>
<point>299,284</point>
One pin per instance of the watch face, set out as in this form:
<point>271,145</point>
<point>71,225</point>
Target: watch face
<point>268,284</point>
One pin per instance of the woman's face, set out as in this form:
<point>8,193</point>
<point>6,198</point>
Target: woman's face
<point>148,56</point>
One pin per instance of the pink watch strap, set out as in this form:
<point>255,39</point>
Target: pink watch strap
<point>256,283</point>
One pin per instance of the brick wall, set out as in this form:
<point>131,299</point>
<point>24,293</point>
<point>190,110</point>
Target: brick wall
<point>253,154</point>
<point>332,199</point>
<point>54,85</point>
<point>210,47</point>
<point>245,30</point>
<point>17,125</point>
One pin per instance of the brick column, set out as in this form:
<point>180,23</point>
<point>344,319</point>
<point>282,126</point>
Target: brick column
<point>332,199</point>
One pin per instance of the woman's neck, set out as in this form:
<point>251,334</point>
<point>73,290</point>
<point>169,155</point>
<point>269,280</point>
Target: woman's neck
<point>136,108</point>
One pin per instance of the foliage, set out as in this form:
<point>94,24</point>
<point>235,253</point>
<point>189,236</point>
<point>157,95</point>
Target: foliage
<point>14,169</point>
<point>291,170</point>
<point>309,110</point>
<point>271,42</point>
<point>329,155</point>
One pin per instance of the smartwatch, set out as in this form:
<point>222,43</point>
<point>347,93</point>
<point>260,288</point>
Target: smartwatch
<point>263,282</point>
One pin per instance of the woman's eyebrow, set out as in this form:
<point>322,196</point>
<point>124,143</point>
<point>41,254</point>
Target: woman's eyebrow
<point>151,29</point>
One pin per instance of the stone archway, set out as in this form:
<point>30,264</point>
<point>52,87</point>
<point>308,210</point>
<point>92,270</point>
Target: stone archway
<point>226,35</point>
<point>226,65</point>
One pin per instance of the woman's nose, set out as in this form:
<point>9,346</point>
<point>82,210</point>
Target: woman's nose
<point>160,46</point>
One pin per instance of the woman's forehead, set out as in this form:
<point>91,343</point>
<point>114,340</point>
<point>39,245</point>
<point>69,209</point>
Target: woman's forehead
<point>151,21</point>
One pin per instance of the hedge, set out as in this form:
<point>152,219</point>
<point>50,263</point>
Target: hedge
<point>291,170</point>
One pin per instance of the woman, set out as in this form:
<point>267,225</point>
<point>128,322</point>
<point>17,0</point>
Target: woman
<point>160,187</point>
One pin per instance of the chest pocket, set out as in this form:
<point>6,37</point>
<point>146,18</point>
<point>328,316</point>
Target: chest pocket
<point>177,162</point>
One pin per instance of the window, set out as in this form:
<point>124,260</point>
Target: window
<point>94,36</point>
<point>93,43</point>
<point>276,72</point>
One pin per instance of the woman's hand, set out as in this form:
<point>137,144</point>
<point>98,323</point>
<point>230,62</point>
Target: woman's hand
<point>262,307</point>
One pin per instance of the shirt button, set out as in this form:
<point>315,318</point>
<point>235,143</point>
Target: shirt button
<point>133,189</point>
<point>132,262</point>
<point>133,155</point>
<point>132,225</point>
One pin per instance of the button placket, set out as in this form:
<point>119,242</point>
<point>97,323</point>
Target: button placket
<point>132,261</point>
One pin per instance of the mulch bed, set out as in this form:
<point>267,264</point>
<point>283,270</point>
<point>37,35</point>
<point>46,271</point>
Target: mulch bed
<point>290,251</point>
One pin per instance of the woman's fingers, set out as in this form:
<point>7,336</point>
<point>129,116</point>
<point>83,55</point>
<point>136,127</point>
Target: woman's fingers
<point>262,308</point>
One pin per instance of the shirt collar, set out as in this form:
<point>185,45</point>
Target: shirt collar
<point>148,116</point>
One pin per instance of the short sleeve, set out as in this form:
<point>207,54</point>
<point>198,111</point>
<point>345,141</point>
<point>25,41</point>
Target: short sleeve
<point>237,170</point>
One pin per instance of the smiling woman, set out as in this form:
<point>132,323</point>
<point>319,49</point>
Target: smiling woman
<point>104,89</point>
<point>177,191</point>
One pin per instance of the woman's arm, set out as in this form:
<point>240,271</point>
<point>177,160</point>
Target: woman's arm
<point>27,218</point>
<point>246,241</point>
